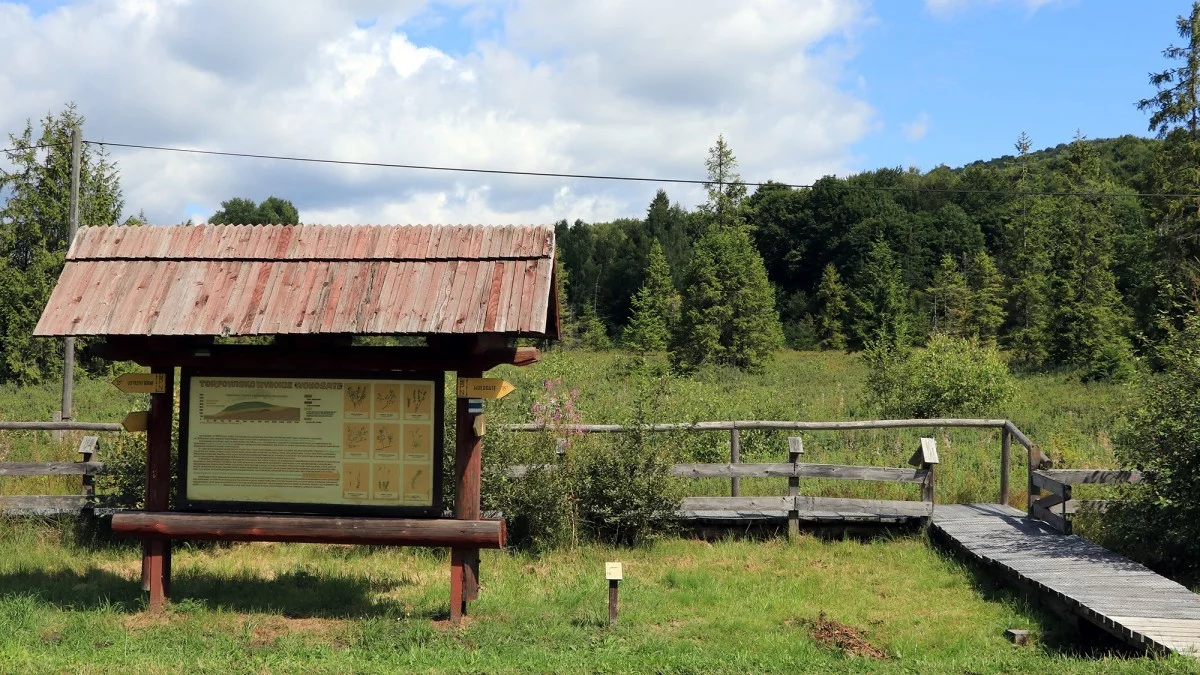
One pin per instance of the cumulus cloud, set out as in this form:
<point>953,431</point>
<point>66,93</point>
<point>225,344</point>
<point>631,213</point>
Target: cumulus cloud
<point>565,86</point>
<point>916,129</point>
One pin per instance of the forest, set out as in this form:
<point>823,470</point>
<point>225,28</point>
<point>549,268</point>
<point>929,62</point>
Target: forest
<point>1051,253</point>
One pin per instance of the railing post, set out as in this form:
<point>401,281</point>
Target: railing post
<point>87,450</point>
<point>926,457</point>
<point>795,450</point>
<point>1005,461</point>
<point>735,457</point>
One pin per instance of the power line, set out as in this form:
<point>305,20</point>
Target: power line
<point>638,179</point>
<point>35,147</point>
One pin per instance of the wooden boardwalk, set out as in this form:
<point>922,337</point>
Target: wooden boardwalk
<point>1120,596</point>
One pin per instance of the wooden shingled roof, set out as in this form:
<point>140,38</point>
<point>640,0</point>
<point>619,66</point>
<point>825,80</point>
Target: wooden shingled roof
<point>223,280</point>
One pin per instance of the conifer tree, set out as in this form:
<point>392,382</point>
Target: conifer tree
<point>831,295</point>
<point>34,230</point>
<point>1026,244</point>
<point>950,299</point>
<point>987,297</point>
<point>883,320</point>
<point>1175,116</point>
<point>655,307</point>
<point>1088,319</point>
<point>728,312</point>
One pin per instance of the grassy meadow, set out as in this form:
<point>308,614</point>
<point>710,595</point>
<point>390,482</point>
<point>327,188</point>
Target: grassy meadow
<point>893,604</point>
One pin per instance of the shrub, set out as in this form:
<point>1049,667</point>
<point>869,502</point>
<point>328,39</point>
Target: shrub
<point>950,377</point>
<point>625,492</point>
<point>1160,522</point>
<point>612,488</point>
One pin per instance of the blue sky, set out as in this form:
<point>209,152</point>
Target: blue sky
<point>799,88</point>
<point>985,72</point>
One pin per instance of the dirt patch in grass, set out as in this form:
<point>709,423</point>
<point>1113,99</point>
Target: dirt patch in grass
<point>833,634</point>
<point>266,630</point>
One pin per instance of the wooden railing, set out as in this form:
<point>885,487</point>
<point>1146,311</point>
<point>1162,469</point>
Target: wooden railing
<point>52,505</point>
<point>1008,433</point>
<point>1058,483</point>
<point>799,506</point>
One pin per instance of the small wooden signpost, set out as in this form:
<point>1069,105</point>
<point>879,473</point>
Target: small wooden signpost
<point>483,387</point>
<point>141,383</point>
<point>614,574</point>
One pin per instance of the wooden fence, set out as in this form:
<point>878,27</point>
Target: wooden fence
<point>1008,433</point>
<point>88,467</point>
<point>1058,483</point>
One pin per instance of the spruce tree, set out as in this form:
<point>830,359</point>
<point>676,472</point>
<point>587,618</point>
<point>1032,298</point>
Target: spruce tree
<point>655,307</point>
<point>1026,246</point>
<point>1088,320</point>
<point>34,230</point>
<point>950,299</point>
<point>1175,116</point>
<point>728,312</point>
<point>831,296</point>
<point>987,297</point>
<point>882,317</point>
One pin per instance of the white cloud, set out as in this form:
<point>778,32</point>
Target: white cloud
<point>947,7</point>
<point>916,129</point>
<point>615,87</point>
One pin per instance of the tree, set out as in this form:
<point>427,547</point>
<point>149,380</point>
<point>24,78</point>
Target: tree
<point>987,297</point>
<point>1175,116</point>
<point>33,233</point>
<point>1161,523</point>
<point>724,186</point>
<point>831,295</point>
<point>241,211</point>
<point>655,307</point>
<point>951,299</point>
<point>882,316</point>
<point>1088,321</point>
<point>1026,247</point>
<point>728,313</point>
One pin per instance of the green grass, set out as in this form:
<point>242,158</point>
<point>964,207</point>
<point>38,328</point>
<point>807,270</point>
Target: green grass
<point>686,606</point>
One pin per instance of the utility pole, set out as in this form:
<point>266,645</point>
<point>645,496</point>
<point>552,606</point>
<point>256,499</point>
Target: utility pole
<point>68,389</point>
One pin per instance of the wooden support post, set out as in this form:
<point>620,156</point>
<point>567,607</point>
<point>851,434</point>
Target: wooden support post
<point>1005,461</point>
<point>612,601</point>
<point>926,458</point>
<point>1034,490</point>
<point>156,557</point>
<point>795,450</point>
<point>68,383</point>
<point>87,454</point>
<point>457,603</point>
<point>735,457</point>
<point>468,457</point>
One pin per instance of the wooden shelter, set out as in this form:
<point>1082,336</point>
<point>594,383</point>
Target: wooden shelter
<point>164,296</point>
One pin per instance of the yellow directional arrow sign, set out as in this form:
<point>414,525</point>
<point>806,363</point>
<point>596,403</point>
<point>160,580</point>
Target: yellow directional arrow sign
<point>136,421</point>
<point>142,383</point>
<point>483,387</point>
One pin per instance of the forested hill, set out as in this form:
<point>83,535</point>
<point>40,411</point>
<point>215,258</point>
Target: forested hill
<point>1127,158</point>
<point>1067,278</point>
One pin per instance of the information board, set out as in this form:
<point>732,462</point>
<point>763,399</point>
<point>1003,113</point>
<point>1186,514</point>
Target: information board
<point>316,443</point>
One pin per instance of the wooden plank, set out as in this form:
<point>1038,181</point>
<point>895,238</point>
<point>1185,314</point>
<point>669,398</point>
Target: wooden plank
<point>788,470</point>
<point>1044,481</point>
<point>864,506</point>
<point>795,452</point>
<point>876,473</point>
<point>51,468</point>
<point>771,424</point>
<point>1091,476</point>
<point>310,529</point>
<point>42,505</point>
<point>737,504</point>
<point>60,426</point>
<point>733,470</point>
